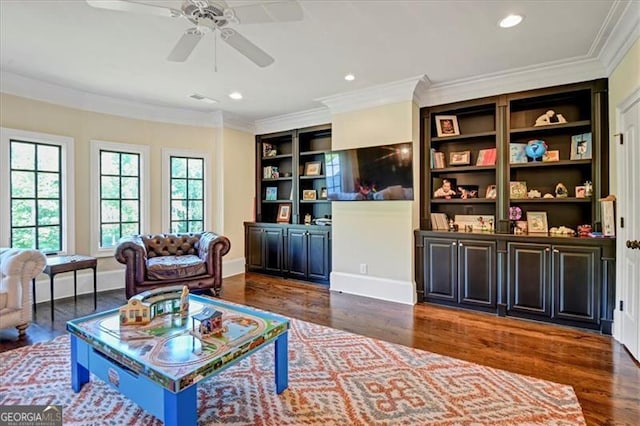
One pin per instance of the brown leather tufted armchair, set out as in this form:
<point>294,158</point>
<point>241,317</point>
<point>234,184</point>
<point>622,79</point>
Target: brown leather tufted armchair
<point>152,261</point>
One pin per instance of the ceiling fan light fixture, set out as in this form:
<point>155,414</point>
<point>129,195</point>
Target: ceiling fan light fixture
<point>349,77</point>
<point>510,21</point>
<point>236,96</point>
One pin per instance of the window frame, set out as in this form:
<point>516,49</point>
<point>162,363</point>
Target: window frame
<point>167,153</point>
<point>67,182</point>
<point>143,152</point>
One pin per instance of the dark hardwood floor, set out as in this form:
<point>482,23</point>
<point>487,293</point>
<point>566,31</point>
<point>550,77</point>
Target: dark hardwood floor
<point>604,376</point>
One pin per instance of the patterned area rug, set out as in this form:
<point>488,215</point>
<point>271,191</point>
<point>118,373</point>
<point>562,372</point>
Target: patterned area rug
<point>335,378</point>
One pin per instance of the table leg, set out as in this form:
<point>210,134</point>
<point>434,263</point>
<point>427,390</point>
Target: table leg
<point>282,363</point>
<point>33,292</point>
<point>79,373</point>
<point>181,408</point>
<point>95,290</point>
<point>51,280</point>
<point>75,287</point>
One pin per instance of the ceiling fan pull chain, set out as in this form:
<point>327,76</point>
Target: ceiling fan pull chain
<point>215,51</point>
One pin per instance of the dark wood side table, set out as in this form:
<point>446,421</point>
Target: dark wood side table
<point>59,264</point>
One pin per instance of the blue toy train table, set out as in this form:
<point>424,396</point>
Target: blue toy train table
<point>159,365</point>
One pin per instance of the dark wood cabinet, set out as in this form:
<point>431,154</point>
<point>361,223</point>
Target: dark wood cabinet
<point>296,251</point>
<point>528,279</point>
<point>460,272</point>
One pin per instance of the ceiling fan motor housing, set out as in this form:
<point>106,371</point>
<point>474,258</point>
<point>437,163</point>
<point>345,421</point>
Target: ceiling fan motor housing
<point>195,14</point>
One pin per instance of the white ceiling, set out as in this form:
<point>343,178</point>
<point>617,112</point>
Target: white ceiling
<point>123,55</point>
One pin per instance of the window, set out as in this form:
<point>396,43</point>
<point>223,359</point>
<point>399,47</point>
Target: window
<point>185,191</point>
<point>119,192</point>
<point>37,186</point>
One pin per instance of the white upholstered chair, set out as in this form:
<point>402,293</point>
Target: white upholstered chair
<point>17,268</point>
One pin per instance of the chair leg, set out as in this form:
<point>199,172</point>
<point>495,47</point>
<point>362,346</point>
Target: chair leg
<point>22,329</point>
<point>214,292</point>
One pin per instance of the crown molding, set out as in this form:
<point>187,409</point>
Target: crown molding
<point>541,75</point>
<point>295,120</point>
<point>624,32</point>
<point>373,96</point>
<point>236,122</point>
<point>28,87</point>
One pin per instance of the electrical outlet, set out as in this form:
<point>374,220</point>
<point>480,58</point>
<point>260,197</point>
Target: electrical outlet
<point>363,268</point>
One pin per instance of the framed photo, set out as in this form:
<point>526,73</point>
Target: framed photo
<point>323,193</point>
<point>537,222</point>
<point>608,218</point>
<point>447,125</point>
<point>272,193</point>
<point>309,194</point>
<point>460,158</point>
<point>284,213</point>
<point>551,156</point>
<point>468,191</point>
<point>581,147</point>
<point>492,192</point>
<point>445,188</point>
<point>517,190</point>
<point>521,227</point>
<point>312,168</point>
<point>581,191</point>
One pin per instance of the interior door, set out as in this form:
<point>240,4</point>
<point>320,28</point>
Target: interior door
<point>628,236</point>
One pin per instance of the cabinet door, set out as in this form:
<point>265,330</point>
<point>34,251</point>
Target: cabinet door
<point>297,253</point>
<point>254,238</point>
<point>528,277</point>
<point>440,270</point>
<point>477,272</point>
<point>273,248</point>
<point>576,278</point>
<point>318,255</point>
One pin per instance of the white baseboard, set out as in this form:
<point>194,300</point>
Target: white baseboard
<point>63,284</point>
<point>378,288</point>
<point>233,267</point>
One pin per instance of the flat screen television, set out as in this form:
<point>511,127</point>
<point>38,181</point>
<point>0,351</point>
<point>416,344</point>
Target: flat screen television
<point>373,173</point>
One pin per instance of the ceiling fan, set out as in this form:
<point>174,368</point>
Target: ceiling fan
<point>211,15</point>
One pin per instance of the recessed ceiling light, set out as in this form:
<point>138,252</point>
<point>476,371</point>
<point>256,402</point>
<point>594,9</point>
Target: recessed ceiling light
<point>349,77</point>
<point>511,21</point>
<point>235,96</point>
<point>199,97</point>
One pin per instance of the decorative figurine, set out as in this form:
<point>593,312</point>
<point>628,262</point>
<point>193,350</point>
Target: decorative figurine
<point>588,189</point>
<point>547,195</point>
<point>209,323</point>
<point>534,193</point>
<point>584,230</point>
<point>535,149</point>
<point>307,219</point>
<point>549,117</point>
<point>561,191</point>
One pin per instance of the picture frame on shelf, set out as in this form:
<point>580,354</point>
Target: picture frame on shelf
<point>517,154</point>
<point>445,188</point>
<point>460,158</point>
<point>492,192</point>
<point>284,213</point>
<point>486,157</point>
<point>271,193</point>
<point>447,125</point>
<point>581,146</point>
<point>537,222</point>
<point>312,168</point>
<point>309,194</point>
<point>581,191</point>
<point>551,156</point>
<point>467,191</point>
<point>517,190</point>
<point>521,227</point>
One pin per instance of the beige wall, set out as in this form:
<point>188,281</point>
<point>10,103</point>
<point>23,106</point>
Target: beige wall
<point>378,234</point>
<point>624,79</point>
<point>83,126</point>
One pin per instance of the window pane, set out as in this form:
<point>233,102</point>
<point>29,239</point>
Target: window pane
<point>110,235</point>
<point>110,211</point>
<point>48,185</point>
<point>195,210</point>
<point>110,187</point>
<point>109,163</point>
<point>195,189</point>
<point>195,226</point>
<point>23,155</point>
<point>129,229</point>
<point>23,184</point>
<point>178,210</point>
<point>130,211</point>
<point>179,226</point>
<point>23,237</point>
<point>49,238</point>
<point>178,167</point>
<point>130,164</point>
<point>179,189</point>
<point>130,188</point>
<point>49,158</point>
<point>48,212</point>
<point>195,168</point>
<point>23,213</point>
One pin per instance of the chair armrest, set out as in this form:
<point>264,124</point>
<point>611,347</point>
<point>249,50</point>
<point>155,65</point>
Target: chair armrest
<point>132,252</point>
<point>19,267</point>
<point>212,248</point>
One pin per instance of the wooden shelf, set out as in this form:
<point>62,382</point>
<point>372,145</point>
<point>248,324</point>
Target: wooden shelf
<point>313,177</point>
<point>462,137</point>
<point>277,157</point>
<point>313,152</point>
<point>314,201</point>
<point>563,163</point>
<point>277,201</point>
<point>552,127</point>
<point>465,201</point>
<point>276,179</point>
<point>550,200</point>
<point>464,169</point>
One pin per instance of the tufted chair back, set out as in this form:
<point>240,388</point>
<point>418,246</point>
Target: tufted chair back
<point>171,244</point>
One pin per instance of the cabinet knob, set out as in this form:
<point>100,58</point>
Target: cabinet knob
<point>633,244</point>
<point>547,249</point>
<point>556,251</point>
<point>460,244</point>
<point>453,243</point>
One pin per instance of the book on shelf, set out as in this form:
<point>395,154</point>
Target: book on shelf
<point>486,157</point>
<point>517,154</point>
<point>271,193</point>
<point>439,221</point>
<point>270,172</point>
<point>438,160</point>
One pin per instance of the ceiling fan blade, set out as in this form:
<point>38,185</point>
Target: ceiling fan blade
<point>247,48</point>
<point>272,11</point>
<point>185,45</point>
<point>127,6</point>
